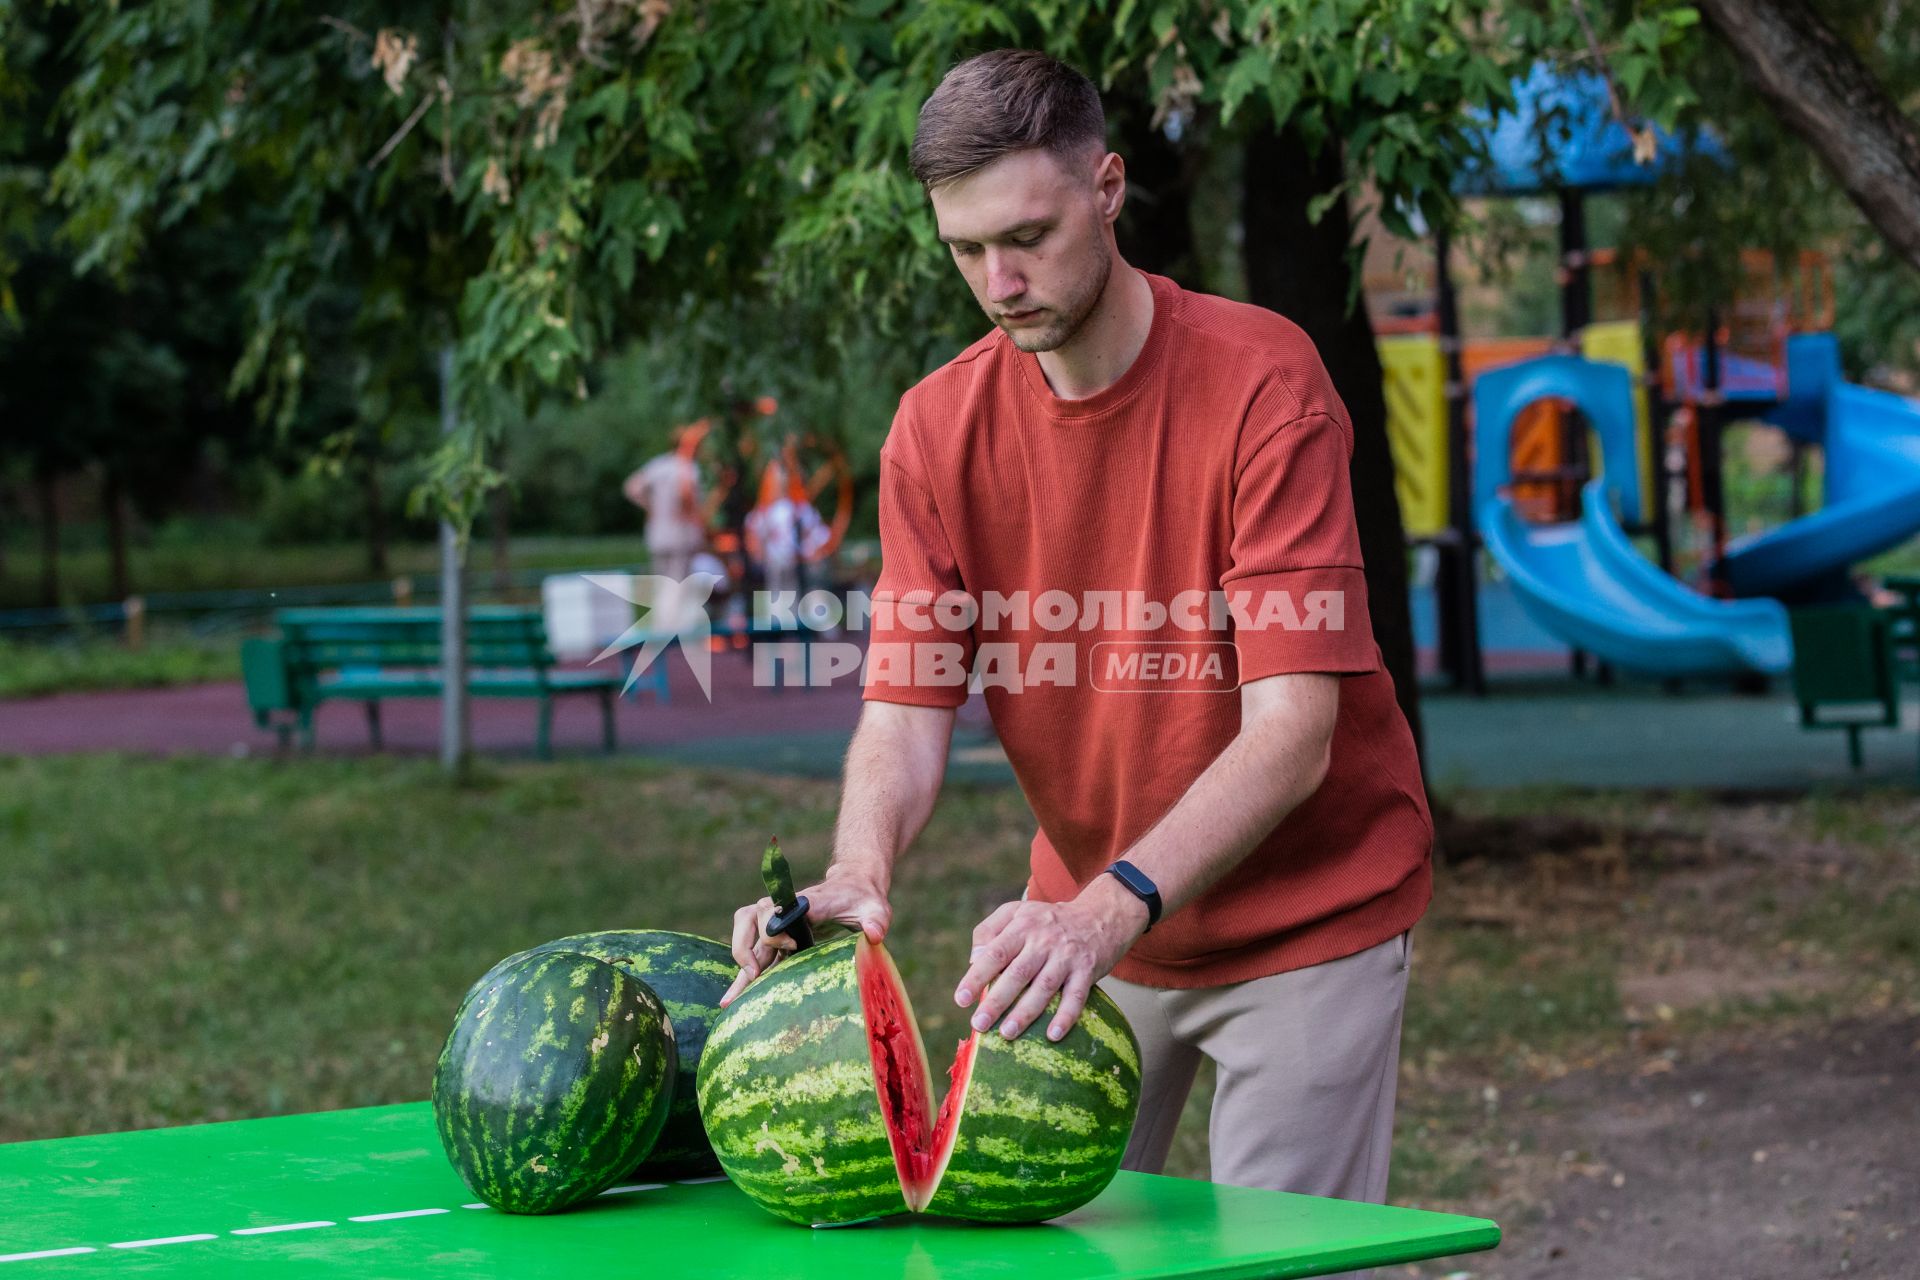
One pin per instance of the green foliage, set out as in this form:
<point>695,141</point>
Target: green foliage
<point>1879,322</point>
<point>1776,195</point>
<point>203,555</point>
<point>533,182</point>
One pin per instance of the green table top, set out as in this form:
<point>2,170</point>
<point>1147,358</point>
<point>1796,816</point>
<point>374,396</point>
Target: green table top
<point>369,1193</point>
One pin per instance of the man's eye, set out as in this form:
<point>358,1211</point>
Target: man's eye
<point>1031,240</point>
<point>966,250</point>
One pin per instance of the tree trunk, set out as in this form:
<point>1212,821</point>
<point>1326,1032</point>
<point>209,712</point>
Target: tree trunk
<point>1155,229</point>
<point>1302,271</point>
<point>113,501</point>
<point>456,725</point>
<point>1826,94</point>
<point>48,484</point>
<point>377,561</point>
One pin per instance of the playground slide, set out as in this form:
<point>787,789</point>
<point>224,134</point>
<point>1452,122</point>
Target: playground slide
<point>1872,441</point>
<point>1584,582</point>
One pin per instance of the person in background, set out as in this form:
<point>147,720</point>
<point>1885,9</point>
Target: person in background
<point>784,531</point>
<point>667,488</point>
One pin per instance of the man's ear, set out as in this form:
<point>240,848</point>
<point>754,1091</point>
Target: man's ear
<point>1110,182</point>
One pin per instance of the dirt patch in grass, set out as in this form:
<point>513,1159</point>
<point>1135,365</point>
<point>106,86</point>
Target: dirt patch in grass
<point>1671,1035</point>
<point>1774,1156</point>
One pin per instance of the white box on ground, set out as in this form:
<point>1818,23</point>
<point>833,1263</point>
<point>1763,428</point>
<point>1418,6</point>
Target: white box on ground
<point>583,617</point>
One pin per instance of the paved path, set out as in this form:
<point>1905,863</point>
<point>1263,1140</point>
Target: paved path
<point>213,719</point>
<point>1527,733</point>
<point>1537,727</point>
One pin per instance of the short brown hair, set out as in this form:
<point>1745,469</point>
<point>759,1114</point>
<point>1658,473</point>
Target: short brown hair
<point>1001,102</point>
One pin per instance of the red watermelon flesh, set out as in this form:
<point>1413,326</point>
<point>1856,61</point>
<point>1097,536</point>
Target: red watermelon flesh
<point>922,1146</point>
<point>947,1127</point>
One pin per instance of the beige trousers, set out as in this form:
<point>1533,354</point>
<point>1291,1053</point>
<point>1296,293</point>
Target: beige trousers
<point>1307,1063</point>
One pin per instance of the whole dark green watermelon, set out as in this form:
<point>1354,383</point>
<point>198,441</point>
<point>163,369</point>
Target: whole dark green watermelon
<point>689,973</point>
<point>555,1082</point>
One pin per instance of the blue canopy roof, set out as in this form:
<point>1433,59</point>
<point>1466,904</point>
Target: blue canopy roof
<point>1562,135</point>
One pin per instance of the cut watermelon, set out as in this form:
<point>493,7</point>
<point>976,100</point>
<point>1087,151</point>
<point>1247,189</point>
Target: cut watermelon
<point>817,1096</point>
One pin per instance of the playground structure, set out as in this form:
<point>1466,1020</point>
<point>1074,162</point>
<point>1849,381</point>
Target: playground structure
<point>1554,453</point>
<point>758,483</point>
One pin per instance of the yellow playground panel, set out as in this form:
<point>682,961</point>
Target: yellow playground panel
<point>1619,342</point>
<point>1416,392</point>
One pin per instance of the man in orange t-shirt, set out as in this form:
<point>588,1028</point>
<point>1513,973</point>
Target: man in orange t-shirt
<point>1126,514</point>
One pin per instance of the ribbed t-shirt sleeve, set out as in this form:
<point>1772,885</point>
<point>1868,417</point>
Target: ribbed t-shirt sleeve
<point>1296,587</point>
<point>912,657</point>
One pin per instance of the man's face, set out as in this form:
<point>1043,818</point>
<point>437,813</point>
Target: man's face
<point>1030,234</point>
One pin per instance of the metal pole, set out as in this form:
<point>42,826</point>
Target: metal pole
<point>1458,578</point>
<point>1576,297</point>
<point>455,740</point>
<point>1712,424</point>
<point>1658,411</point>
<point>1576,312</point>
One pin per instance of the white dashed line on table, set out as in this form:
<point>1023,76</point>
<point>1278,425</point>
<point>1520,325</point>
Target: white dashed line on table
<point>154,1244</point>
<point>197,1237</point>
<point>404,1213</point>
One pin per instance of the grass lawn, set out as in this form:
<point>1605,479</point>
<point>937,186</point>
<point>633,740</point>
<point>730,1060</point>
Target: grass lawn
<point>195,940</point>
<point>230,561</point>
<point>29,668</point>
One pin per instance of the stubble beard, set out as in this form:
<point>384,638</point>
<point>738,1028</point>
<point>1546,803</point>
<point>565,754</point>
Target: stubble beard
<point>1071,317</point>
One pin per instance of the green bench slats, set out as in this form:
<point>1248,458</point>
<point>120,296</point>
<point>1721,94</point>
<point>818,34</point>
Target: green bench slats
<point>1845,675</point>
<point>369,655</point>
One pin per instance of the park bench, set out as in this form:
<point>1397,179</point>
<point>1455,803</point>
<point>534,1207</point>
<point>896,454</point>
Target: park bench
<point>370,655</point>
<point>1845,674</point>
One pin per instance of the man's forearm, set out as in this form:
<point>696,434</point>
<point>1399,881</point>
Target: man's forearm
<point>895,765</point>
<point>1278,759</point>
<point>1027,951</point>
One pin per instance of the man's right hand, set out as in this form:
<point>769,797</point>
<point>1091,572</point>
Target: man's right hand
<point>851,898</point>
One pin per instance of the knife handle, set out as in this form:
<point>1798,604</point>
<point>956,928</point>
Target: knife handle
<point>792,921</point>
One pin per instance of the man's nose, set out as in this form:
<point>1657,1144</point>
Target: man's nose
<point>1004,283</point>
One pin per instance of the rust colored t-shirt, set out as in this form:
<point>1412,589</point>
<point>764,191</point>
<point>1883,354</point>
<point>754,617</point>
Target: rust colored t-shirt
<point>1217,463</point>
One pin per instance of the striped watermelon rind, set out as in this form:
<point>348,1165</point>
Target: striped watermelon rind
<point>816,1096</point>
<point>555,1081</point>
<point>1083,1091</point>
<point>689,973</point>
<point>786,1092</point>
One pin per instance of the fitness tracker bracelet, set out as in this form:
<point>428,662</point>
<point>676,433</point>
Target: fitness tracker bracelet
<point>1139,886</point>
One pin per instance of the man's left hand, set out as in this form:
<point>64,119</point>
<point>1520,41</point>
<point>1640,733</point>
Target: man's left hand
<point>1028,951</point>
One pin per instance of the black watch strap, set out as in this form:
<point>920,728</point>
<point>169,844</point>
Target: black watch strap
<point>1139,886</point>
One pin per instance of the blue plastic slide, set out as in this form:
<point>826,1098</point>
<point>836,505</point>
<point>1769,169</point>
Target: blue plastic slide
<point>1872,501</point>
<point>1583,581</point>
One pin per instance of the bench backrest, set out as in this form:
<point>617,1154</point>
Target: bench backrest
<point>1842,654</point>
<point>328,639</point>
